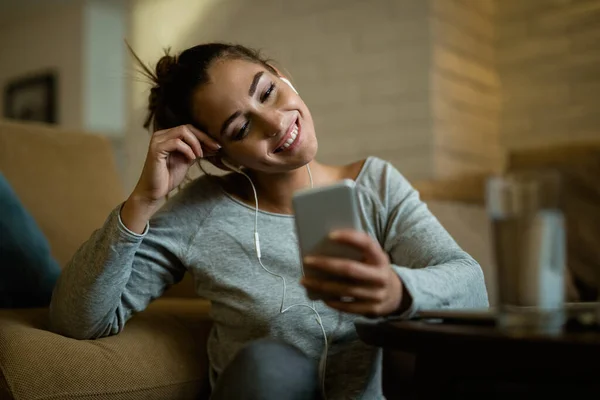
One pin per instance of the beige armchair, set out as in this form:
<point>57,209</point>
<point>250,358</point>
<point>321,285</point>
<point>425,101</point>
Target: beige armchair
<point>69,183</point>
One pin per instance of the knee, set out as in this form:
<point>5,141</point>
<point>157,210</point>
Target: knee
<point>270,359</point>
<point>269,369</point>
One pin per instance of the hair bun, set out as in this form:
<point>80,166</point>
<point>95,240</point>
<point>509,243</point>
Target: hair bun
<point>163,77</point>
<point>166,69</point>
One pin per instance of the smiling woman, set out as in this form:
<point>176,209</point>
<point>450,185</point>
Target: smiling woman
<point>228,105</point>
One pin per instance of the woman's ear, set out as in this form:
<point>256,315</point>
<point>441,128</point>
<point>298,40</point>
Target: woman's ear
<point>221,162</point>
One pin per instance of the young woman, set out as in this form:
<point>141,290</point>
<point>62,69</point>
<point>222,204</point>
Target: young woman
<point>228,105</point>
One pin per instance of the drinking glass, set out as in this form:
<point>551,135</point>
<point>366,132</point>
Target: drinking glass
<point>529,245</point>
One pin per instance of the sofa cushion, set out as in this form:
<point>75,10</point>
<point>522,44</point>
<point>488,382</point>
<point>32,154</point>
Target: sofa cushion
<point>68,181</point>
<point>161,354</point>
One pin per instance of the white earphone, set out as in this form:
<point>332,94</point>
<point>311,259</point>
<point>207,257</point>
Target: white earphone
<point>289,84</point>
<point>231,167</point>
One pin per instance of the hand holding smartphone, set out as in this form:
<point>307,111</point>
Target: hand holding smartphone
<point>318,212</point>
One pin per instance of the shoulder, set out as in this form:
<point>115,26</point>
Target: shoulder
<point>381,177</point>
<point>192,202</point>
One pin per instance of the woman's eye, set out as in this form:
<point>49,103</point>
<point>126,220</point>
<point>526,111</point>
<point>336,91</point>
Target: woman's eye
<point>243,132</point>
<point>268,93</point>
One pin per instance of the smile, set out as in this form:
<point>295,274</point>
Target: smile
<point>290,139</point>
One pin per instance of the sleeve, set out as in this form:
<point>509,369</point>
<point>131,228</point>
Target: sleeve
<point>115,274</point>
<point>435,271</point>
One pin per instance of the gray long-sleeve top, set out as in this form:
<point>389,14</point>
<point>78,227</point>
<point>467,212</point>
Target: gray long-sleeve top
<point>203,230</point>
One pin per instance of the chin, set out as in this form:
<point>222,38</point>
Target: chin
<point>299,156</point>
<point>308,154</point>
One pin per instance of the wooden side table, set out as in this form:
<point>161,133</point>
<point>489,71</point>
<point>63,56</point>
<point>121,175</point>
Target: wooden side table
<point>459,361</point>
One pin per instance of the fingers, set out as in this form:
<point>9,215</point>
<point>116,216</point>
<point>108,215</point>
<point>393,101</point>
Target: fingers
<point>191,140</point>
<point>345,269</point>
<point>378,302</point>
<point>374,289</point>
<point>362,241</point>
<point>326,288</point>
<point>184,134</point>
<point>178,145</point>
<point>367,308</point>
<point>194,138</point>
<point>210,143</point>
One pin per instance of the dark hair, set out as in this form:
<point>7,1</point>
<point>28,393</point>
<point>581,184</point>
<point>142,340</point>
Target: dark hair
<point>176,77</point>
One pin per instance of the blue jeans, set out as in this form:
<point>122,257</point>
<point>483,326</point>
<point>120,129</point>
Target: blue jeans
<point>268,369</point>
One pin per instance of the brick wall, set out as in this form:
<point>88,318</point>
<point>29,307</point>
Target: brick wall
<point>361,66</point>
<point>510,74</point>
<point>365,78</point>
<point>465,87</point>
<point>549,64</point>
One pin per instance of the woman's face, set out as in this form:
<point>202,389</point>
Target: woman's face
<point>260,122</point>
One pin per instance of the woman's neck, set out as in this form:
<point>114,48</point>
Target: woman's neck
<point>275,191</point>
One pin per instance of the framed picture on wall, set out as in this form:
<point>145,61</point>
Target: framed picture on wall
<point>31,98</point>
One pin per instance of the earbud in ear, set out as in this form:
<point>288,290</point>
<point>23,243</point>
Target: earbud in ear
<point>289,84</point>
<point>230,166</point>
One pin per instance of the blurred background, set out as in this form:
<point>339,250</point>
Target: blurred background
<point>438,87</point>
<point>449,91</point>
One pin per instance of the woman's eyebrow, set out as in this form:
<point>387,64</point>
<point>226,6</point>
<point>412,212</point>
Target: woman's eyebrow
<point>255,83</point>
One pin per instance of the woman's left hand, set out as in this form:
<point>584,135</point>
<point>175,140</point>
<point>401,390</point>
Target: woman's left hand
<point>372,285</point>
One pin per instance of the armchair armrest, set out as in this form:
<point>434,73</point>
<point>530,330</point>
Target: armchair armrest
<point>160,354</point>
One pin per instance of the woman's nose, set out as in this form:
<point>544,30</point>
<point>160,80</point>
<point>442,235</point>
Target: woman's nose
<point>273,123</point>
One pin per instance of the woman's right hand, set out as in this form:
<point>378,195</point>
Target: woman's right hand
<point>170,154</point>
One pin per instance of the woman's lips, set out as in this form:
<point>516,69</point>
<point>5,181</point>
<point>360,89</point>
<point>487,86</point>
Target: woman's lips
<point>291,139</point>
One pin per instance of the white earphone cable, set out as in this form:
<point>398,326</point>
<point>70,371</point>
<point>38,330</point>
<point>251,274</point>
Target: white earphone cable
<point>323,359</point>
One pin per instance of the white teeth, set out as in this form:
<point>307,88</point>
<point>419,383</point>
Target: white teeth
<point>293,136</point>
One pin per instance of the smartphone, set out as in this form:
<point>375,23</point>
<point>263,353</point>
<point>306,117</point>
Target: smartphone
<point>318,212</point>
